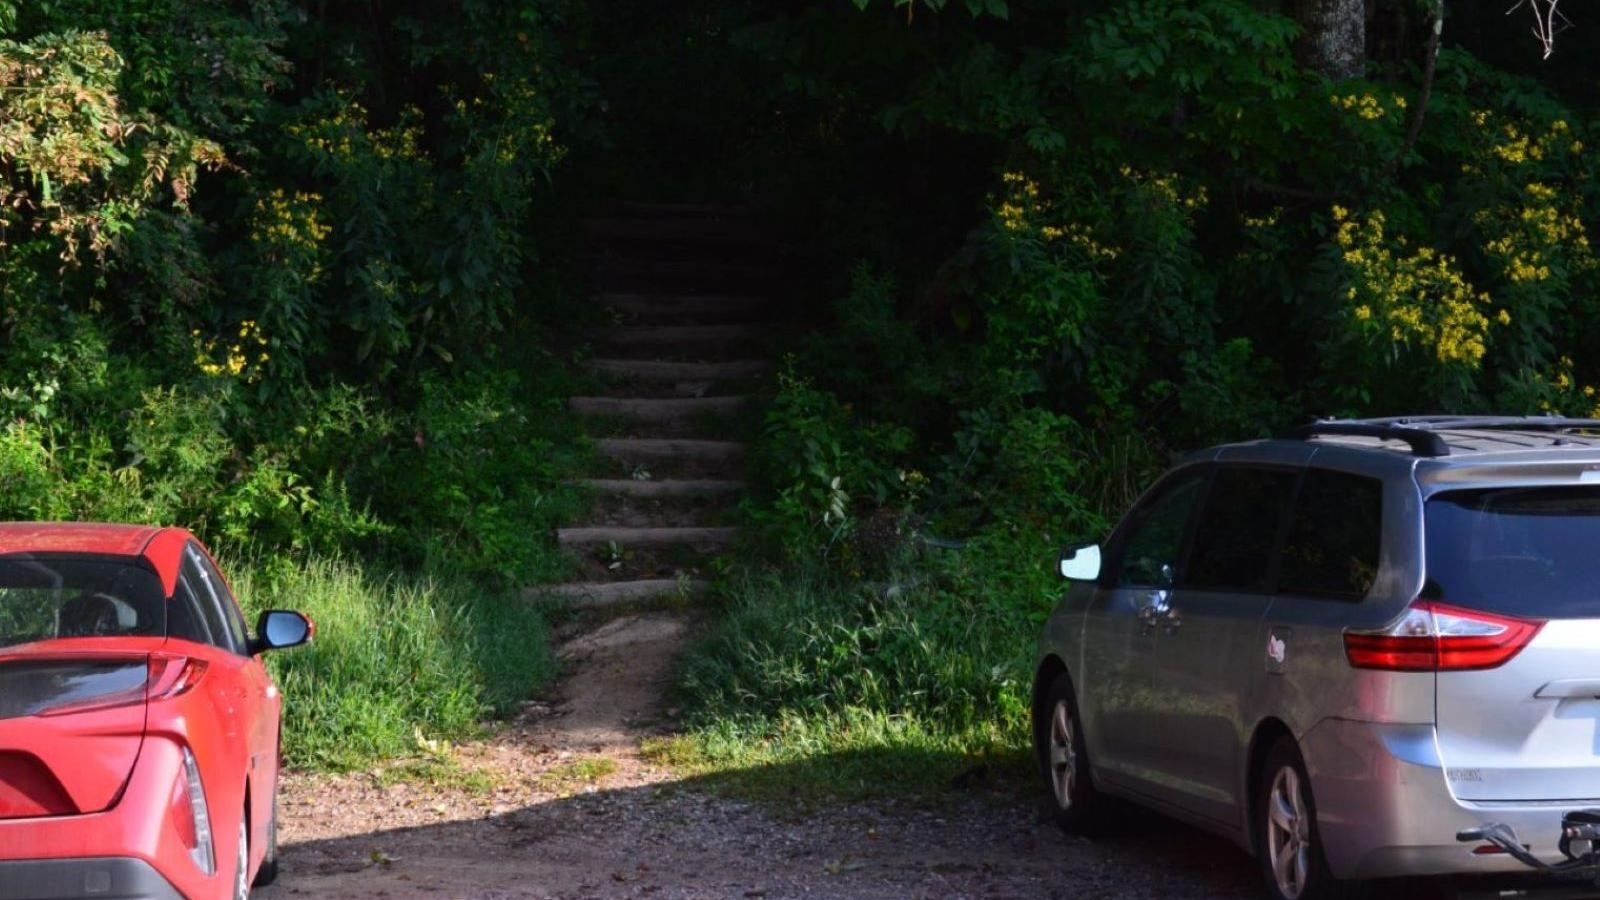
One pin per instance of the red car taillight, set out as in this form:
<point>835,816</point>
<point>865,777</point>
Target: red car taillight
<point>1434,637</point>
<point>165,677</point>
<point>173,676</point>
<point>187,811</point>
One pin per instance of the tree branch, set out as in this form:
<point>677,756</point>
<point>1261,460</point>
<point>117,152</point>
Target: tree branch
<point>1420,110</point>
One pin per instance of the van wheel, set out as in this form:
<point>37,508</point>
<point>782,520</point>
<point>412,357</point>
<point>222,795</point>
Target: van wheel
<point>1064,760</point>
<point>268,873</point>
<point>1290,849</point>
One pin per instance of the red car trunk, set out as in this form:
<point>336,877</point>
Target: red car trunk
<point>70,730</point>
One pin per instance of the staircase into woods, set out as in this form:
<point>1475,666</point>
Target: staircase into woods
<point>687,290</point>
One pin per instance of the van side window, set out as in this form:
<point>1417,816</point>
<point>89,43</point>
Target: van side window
<point>1236,541</point>
<point>1335,535</point>
<point>1151,552</point>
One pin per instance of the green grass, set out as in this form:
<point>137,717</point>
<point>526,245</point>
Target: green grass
<point>440,772</point>
<point>579,772</point>
<point>395,656</point>
<point>815,687</point>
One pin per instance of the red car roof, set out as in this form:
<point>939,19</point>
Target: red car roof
<point>75,537</point>
<point>162,546</point>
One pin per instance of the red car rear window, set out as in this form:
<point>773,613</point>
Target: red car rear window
<point>45,596</point>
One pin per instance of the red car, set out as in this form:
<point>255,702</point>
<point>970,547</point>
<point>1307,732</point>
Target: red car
<point>139,731</point>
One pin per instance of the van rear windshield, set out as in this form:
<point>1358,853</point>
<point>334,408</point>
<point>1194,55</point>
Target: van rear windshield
<point>1517,551</point>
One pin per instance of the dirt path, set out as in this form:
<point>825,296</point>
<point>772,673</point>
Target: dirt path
<point>562,805</point>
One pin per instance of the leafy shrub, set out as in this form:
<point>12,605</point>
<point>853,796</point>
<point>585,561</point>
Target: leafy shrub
<point>395,656</point>
<point>851,676</point>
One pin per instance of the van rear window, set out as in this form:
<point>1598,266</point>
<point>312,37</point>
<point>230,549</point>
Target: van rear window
<point>1517,551</point>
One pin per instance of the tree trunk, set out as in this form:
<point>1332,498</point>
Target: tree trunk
<point>1334,36</point>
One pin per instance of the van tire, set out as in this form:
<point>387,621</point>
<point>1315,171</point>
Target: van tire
<point>1288,843</point>
<point>1063,760</point>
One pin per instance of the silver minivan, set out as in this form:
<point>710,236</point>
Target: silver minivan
<point>1370,649</point>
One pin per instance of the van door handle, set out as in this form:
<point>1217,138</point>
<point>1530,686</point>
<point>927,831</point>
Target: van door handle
<point>1569,688</point>
<point>1156,610</point>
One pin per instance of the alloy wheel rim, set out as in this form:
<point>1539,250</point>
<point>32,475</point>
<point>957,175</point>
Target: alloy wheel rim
<point>1288,833</point>
<point>1063,756</point>
<point>241,887</point>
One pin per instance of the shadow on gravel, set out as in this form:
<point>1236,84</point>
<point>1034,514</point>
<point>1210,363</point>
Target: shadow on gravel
<point>690,839</point>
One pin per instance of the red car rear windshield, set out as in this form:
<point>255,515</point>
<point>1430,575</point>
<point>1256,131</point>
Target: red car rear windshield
<point>1523,551</point>
<point>45,596</point>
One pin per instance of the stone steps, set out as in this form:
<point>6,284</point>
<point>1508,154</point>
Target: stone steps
<point>683,281</point>
<point>685,307</point>
<point>648,537</point>
<point>598,595</point>
<point>681,338</point>
<point>635,450</point>
<point>664,489</point>
<point>667,370</point>
<point>658,409</point>
<point>699,231</point>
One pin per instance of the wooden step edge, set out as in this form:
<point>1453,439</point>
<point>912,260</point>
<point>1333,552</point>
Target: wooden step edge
<point>647,209</point>
<point>600,594</point>
<point>657,409</point>
<point>669,335</point>
<point>667,370</point>
<point>667,487</point>
<point>642,299</point>
<point>670,449</point>
<point>701,232</point>
<point>640,537</point>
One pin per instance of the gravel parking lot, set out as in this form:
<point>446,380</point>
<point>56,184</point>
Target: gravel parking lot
<point>562,805</point>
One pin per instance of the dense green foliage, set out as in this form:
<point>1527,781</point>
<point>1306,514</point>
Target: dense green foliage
<point>399,661</point>
<point>1070,241</point>
<point>250,255</point>
<point>284,273</point>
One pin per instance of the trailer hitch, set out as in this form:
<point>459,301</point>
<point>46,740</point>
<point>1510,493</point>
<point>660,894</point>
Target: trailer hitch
<point>1579,843</point>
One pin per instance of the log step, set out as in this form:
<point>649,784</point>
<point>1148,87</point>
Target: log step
<point>635,537</point>
<point>646,210</point>
<point>599,594</point>
<point>657,409</point>
<point>670,450</point>
<point>709,230</point>
<point>703,487</point>
<point>655,307</point>
<point>679,337</point>
<point>660,370</point>
<point>719,272</point>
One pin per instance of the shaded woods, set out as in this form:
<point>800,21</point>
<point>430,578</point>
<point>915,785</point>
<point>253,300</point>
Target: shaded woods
<point>297,274</point>
<point>1048,246</point>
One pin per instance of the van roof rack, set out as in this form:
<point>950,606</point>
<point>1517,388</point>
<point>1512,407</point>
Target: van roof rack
<point>1422,433</point>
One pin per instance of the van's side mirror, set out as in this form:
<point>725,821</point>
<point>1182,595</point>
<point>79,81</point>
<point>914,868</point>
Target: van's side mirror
<point>1082,564</point>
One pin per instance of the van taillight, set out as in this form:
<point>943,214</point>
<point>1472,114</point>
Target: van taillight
<point>1434,637</point>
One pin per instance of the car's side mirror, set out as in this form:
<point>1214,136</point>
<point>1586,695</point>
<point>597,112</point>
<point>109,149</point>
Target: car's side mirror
<point>279,629</point>
<point>1082,564</point>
